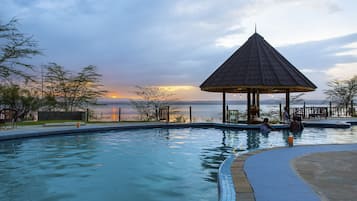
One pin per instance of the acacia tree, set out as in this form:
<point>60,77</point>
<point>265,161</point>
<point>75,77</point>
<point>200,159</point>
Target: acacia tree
<point>296,99</point>
<point>150,100</point>
<point>67,90</point>
<point>19,100</point>
<point>342,92</point>
<point>15,47</point>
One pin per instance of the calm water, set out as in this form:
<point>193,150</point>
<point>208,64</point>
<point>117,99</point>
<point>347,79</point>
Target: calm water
<point>155,164</point>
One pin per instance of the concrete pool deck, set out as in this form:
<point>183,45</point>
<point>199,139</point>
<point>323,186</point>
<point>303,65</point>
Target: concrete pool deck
<point>297,173</point>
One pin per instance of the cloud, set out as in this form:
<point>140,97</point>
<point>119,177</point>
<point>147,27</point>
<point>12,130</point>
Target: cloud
<point>309,70</point>
<point>342,71</point>
<point>322,54</point>
<point>328,5</point>
<point>179,42</point>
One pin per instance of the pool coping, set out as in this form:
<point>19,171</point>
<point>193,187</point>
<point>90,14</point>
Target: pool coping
<point>242,187</point>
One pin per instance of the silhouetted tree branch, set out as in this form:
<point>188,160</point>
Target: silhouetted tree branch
<point>67,90</point>
<point>150,100</point>
<point>15,47</point>
<point>342,92</point>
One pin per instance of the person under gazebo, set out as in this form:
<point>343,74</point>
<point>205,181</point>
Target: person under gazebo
<point>265,126</point>
<point>254,118</point>
<point>286,116</point>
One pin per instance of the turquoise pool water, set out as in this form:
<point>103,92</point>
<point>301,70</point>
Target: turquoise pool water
<point>153,164</point>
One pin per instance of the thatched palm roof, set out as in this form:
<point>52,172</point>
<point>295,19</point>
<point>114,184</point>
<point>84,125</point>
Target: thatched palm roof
<point>256,65</point>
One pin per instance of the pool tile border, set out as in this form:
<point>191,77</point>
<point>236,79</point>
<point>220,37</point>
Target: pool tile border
<point>225,180</point>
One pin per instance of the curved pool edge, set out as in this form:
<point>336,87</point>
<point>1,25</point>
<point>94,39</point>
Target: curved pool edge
<point>63,130</point>
<point>226,191</point>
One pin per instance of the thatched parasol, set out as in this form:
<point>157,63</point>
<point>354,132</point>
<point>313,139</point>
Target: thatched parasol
<point>255,68</point>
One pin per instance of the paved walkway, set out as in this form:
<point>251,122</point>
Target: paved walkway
<point>273,178</point>
<point>333,175</point>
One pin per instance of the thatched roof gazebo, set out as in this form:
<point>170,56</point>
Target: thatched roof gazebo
<point>256,68</point>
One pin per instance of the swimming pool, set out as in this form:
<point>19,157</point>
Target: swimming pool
<point>145,164</point>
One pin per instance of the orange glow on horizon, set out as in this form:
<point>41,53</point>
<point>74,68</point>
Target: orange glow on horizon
<point>113,95</point>
<point>182,92</point>
<point>177,88</point>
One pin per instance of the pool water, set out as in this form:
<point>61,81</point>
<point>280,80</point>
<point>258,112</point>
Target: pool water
<point>152,164</point>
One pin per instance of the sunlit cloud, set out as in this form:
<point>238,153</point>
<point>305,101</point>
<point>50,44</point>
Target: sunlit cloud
<point>113,95</point>
<point>349,49</point>
<point>342,71</point>
<point>311,70</point>
<point>230,40</point>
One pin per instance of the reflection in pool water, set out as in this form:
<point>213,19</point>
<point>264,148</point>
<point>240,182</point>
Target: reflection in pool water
<point>154,164</point>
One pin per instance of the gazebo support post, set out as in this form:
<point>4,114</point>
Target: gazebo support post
<point>253,95</point>
<point>287,101</point>
<point>258,103</point>
<point>224,107</point>
<point>248,106</point>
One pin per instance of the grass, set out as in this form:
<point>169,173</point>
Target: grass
<point>34,123</point>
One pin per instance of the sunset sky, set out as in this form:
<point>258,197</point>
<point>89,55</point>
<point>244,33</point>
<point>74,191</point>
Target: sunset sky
<point>178,44</point>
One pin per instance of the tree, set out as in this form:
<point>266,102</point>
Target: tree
<point>14,48</point>
<point>19,100</point>
<point>296,99</point>
<point>150,100</point>
<point>342,91</point>
<point>68,91</point>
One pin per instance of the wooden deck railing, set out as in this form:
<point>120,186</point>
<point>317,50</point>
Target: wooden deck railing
<point>323,112</point>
